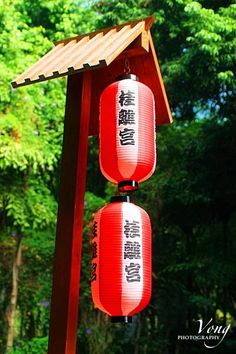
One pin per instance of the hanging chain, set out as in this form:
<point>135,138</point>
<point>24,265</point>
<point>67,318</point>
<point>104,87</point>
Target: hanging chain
<point>127,67</point>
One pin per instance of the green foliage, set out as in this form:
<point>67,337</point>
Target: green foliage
<point>29,206</point>
<point>31,129</point>
<point>59,19</point>
<point>114,12</point>
<point>190,198</point>
<point>34,346</point>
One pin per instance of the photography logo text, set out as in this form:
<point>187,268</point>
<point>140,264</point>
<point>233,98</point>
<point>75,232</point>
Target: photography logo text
<point>211,334</point>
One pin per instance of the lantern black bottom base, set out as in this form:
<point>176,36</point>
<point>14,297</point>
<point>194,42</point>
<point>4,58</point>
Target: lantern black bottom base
<point>127,186</point>
<point>121,319</point>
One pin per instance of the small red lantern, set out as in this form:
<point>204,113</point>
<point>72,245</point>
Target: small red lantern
<point>127,132</point>
<point>121,259</point>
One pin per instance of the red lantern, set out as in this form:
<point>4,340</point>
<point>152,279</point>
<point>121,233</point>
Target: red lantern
<point>121,259</point>
<point>127,132</point>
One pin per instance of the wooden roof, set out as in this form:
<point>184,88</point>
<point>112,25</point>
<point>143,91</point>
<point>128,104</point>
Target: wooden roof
<point>105,50</point>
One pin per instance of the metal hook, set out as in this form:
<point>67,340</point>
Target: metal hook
<point>127,67</point>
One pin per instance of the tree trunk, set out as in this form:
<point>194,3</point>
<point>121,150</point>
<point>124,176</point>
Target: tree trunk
<point>11,310</point>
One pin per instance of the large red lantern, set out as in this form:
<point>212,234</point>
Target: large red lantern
<point>121,259</point>
<point>127,132</point>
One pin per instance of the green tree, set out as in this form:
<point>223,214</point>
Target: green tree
<point>31,127</point>
<point>191,197</point>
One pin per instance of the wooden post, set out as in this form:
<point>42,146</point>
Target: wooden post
<point>66,278</point>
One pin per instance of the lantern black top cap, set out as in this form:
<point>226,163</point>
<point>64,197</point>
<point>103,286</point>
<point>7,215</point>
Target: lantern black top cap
<point>127,76</point>
<point>121,198</point>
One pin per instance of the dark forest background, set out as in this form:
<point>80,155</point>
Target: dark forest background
<point>191,198</point>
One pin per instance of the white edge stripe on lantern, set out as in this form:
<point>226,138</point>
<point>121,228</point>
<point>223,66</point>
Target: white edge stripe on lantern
<point>132,291</point>
<point>126,153</point>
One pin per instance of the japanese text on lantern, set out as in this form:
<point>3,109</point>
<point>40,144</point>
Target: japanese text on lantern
<point>94,251</point>
<point>126,117</point>
<point>132,251</point>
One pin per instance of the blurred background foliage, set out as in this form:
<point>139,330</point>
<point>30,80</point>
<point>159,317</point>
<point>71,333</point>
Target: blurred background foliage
<point>191,198</point>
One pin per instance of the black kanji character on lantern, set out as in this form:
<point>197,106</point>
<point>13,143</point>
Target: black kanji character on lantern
<point>127,136</point>
<point>132,271</point>
<point>127,98</point>
<point>132,229</point>
<point>132,250</point>
<point>94,272</point>
<point>126,116</point>
<point>95,229</point>
<point>94,248</point>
